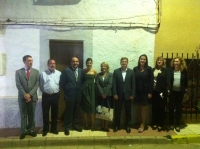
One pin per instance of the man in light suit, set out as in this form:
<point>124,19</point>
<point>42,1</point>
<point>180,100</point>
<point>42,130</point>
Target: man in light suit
<point>27,82</point>
<point>71,82</point>
<point>123,92</point>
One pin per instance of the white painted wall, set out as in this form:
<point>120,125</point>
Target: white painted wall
<point>101,44</point>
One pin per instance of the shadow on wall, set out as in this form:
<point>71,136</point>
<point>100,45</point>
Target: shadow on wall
<point>55,2</point>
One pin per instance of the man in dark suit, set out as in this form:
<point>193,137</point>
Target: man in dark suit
<point>123,92</point>
<point>27,82</point>
<point>71,82</point>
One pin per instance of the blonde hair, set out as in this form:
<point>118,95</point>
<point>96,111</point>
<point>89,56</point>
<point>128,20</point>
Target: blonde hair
<point>158,58</point>
<point>106,64</point>
<point>182,61</point>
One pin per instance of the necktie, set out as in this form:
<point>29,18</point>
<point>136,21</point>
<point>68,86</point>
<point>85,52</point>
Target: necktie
<point>28,73</point>
<point>75,74</point>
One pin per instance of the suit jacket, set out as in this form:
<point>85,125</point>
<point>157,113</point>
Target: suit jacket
<point>25,85</point>
<point>71,87</point>
<point>163,80</point>
<point>184,80</point>
<point>127,87</point>
<point>104,86</point>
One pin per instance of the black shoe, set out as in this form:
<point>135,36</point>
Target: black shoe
<point>128,130</point>
<point>66,132</point>
<point>160,129</point>
<point>33,134</point>
<point>77,128</point>
<point>115,129</point>
<point>22,136</point>
<point>154,127</point>
<point>44,133</point>
<point>54,132</point>
<point>171,127</point>
<point>102,129</point>
<point>106,130</point>
<point>86,128</point>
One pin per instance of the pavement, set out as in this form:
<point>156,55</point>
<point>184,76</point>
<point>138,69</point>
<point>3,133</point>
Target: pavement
<point>189,134</point>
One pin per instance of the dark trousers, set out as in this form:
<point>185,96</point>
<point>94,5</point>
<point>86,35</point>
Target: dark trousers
<point>72,113</point>
<point>118,108</point>
<point>27,113</point>
<point>158,109</point>
<point>175,104</point>
<point>50,101</point>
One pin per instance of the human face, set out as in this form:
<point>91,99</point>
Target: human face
<point>104,68</point>
<point>52,65</point>
<point>74,62</point>
<point>177,63</point>
<point>28,62</point>
<point>124,64</point>
<point>89,64</point>
<point>160,63</point>
<point>143,60</point>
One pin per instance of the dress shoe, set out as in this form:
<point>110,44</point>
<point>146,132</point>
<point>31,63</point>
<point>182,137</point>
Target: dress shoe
<point>102,129</point>
<point>77,129</point>
<point>86,128</point>
<point>33,134</point>
<point>44,133</point>
<point>66,132</point>
<point>54,132</point>
<point>128,130</point>
<point>22,136</point>
<point>115,129</point>
<point>177,129</point>
<point>171,127</point>
<point>160,129</point>
<point>93,129</point>
<point>154,127</point>
<point>140,130</point>
<point>106,130</point>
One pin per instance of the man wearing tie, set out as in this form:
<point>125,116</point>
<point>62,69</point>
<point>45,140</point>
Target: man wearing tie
<point>71,82</point>
<point>123,92</point>
<point>49,85</point>
<point>27,82</point>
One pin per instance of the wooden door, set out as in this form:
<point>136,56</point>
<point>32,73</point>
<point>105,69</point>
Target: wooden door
<point>62,52</point>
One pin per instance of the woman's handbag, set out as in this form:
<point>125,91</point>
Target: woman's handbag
<point>104,112</point>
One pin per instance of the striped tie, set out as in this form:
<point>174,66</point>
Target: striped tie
<point>75,74</point>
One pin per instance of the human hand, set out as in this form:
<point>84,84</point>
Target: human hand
<point>103,96</point>
<point>149,96</point>
<point>27,97</point>
<point>131,98</point>
<point>115,97</point>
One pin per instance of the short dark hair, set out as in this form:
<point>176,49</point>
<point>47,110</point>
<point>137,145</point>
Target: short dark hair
<point>88,59</point>
<point>25,57</point>
<point>50,60</point>
<point>124,58</point>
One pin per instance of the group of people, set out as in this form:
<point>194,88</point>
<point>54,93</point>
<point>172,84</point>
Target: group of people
<point>142,85</point>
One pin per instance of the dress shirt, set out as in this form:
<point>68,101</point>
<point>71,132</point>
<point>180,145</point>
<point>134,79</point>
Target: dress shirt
<point>76,71</point>
<point>27,69</point>
<point>177,82</point>
<point>49,81</point>
<point>124,74</point>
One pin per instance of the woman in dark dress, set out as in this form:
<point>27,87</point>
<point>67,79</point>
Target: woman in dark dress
<point>144,88</point>
<point>179,84</point>
<point>88,89</point>
<point>104,85</point>
<point>160,93</point>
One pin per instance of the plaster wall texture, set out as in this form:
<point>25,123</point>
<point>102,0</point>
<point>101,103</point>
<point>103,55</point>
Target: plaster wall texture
<point>101,44</point>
